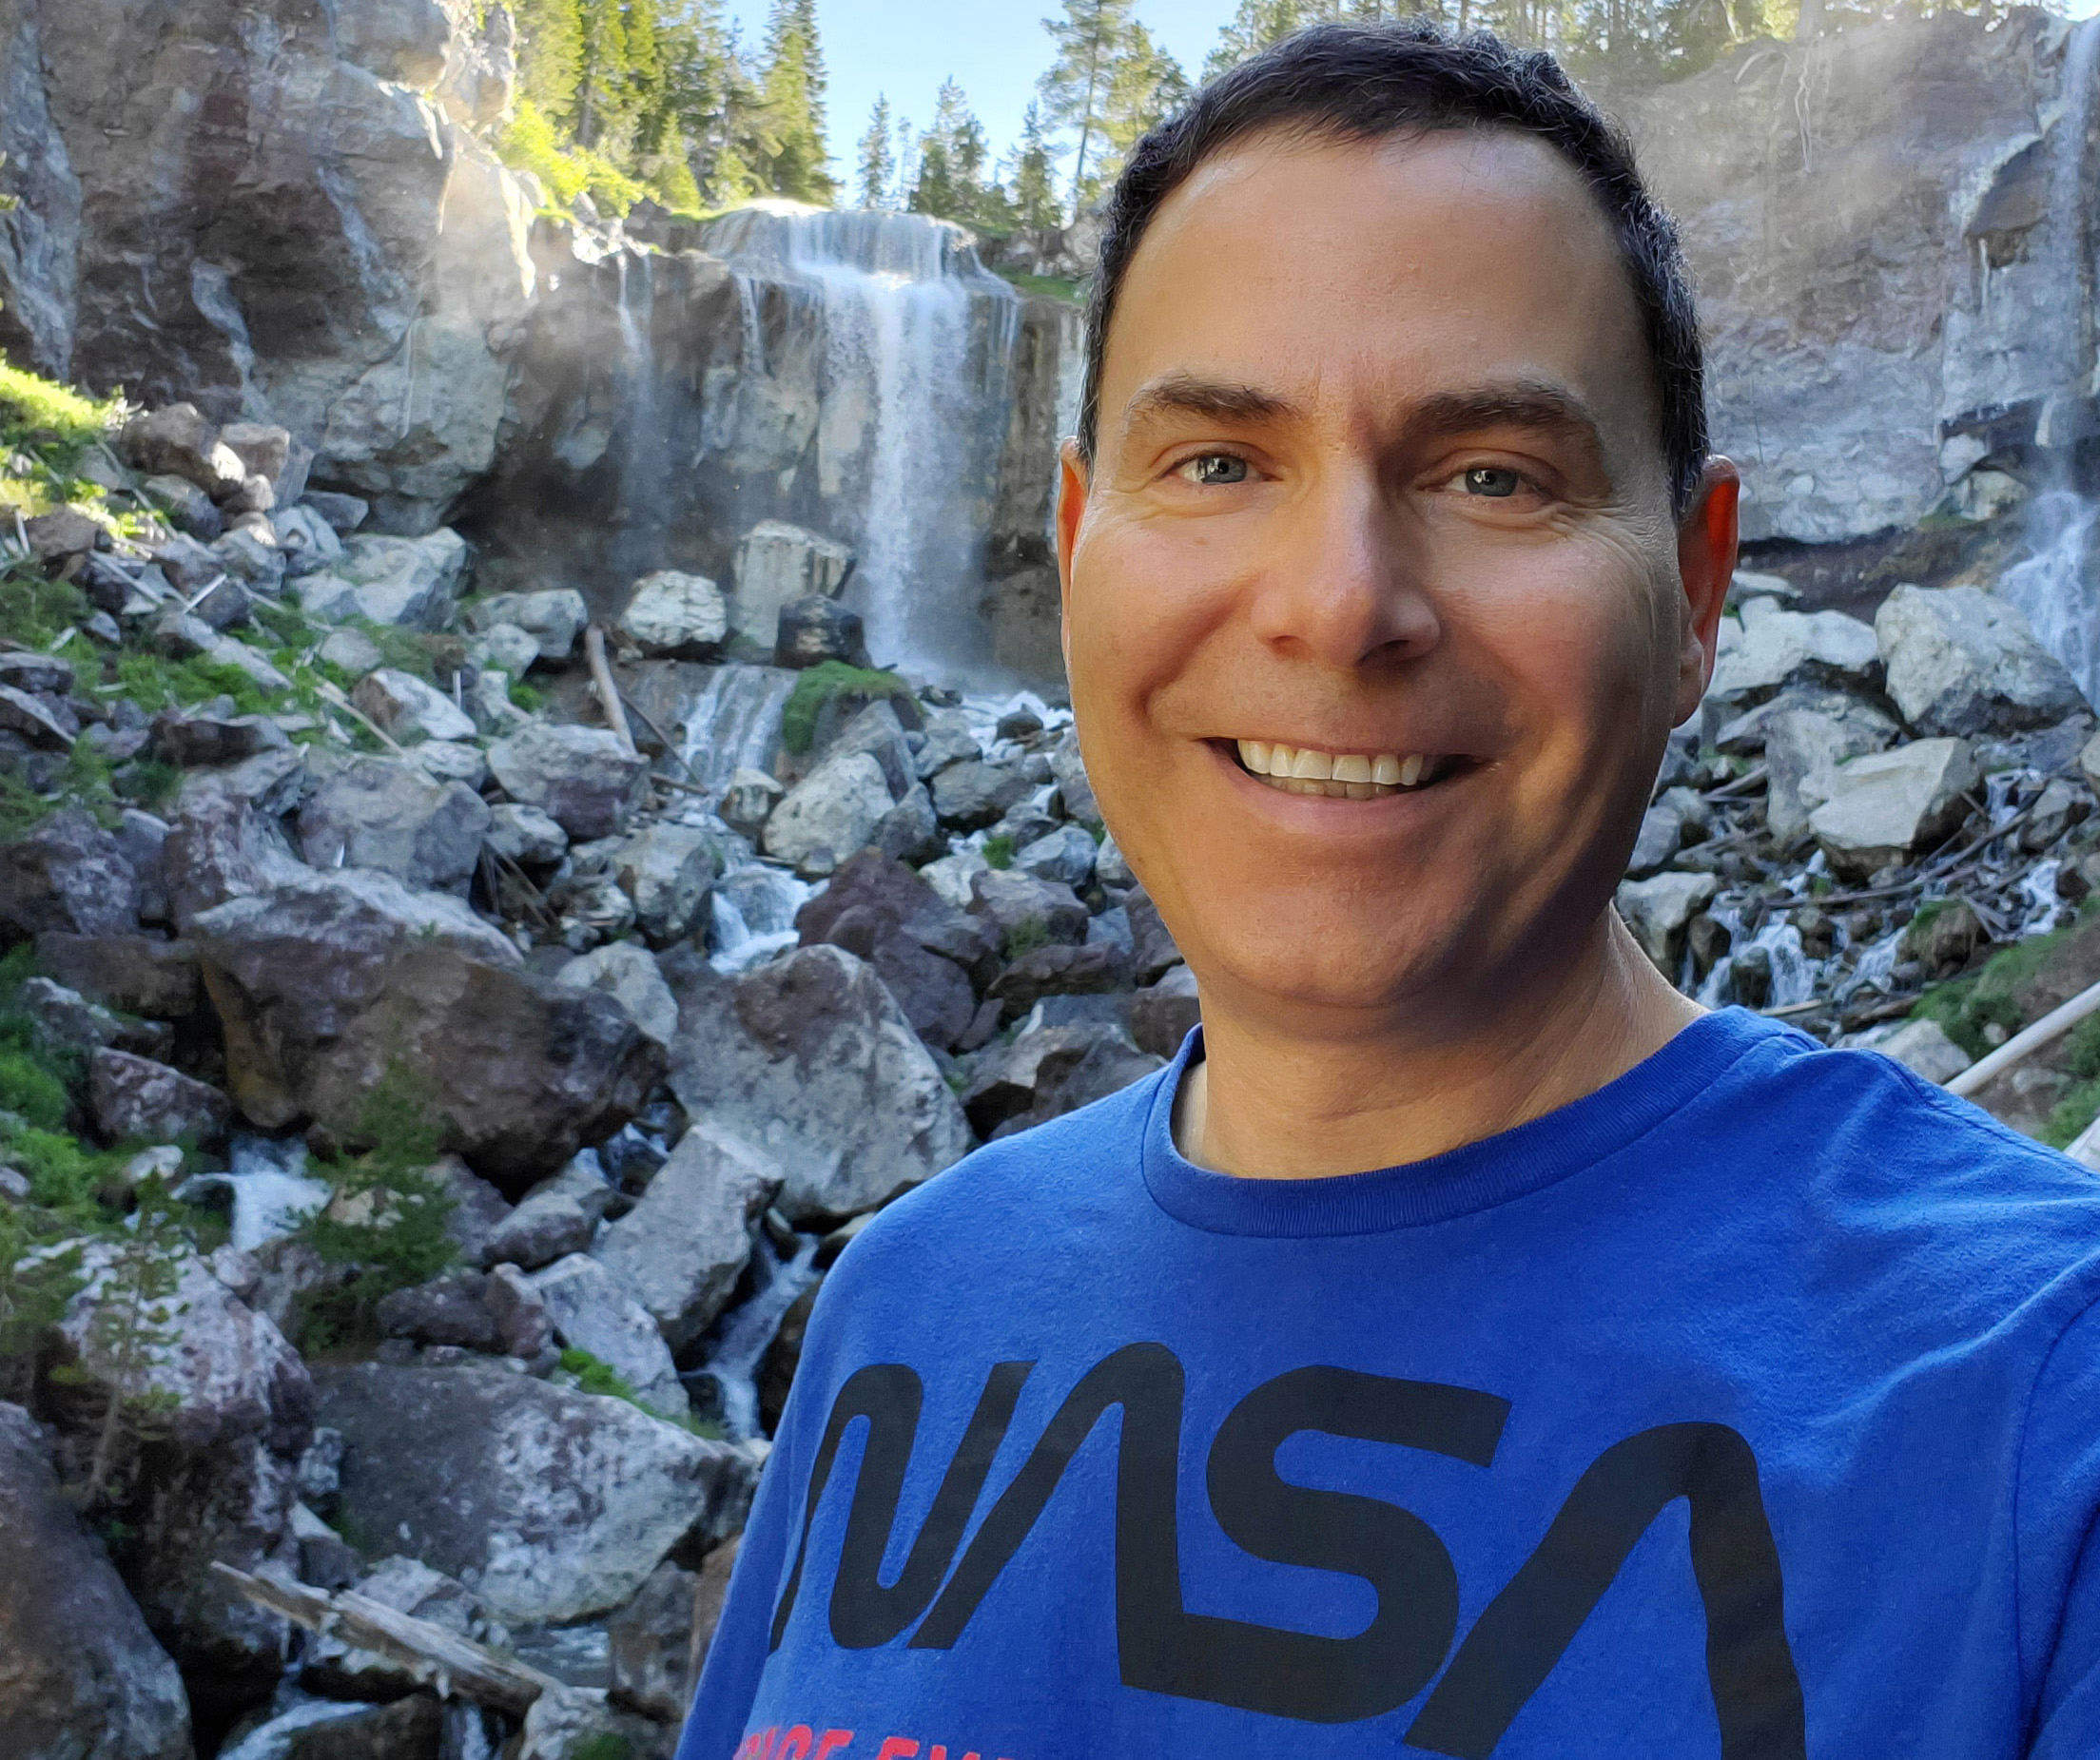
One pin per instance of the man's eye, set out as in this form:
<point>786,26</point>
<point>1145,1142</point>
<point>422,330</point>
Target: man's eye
<point>1488,480</point>
<point>1216,470</point>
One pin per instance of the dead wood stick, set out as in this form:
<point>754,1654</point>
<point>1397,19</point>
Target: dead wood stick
<point>437,1659</point>
<point>333,692</point>
<point>609,694</point>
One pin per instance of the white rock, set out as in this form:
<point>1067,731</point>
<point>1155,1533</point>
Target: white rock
<point>1885,805</point>
<point>626,973</point>
<point>1923,1046</point>
<point>1659,910</point>
<point>353,651</point>
<point>526,834</point>
<point>776,561</point>
<point>951,876</point>
<point>830,815</point>
<point>684,615</point>
<point>590,1311</point>
<point>1771,644</point>
<point>1961,662</point>
<point>504,647</point>
<point>552,618</point>
<point>668,870</point>
<point>406,581</point>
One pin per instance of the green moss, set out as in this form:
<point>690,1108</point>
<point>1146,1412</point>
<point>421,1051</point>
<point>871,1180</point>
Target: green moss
<point>525,697</point>
<point>594,1375</point>
<point>999,851</point>
<point>1967,1007</point>
<point>819,686</point>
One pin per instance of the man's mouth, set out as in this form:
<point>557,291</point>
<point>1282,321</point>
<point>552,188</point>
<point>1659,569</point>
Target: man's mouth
<point>1353,776</point>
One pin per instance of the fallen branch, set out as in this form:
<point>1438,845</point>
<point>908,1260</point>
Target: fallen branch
<point>2051,1026</point>
<point>437,1658</point>
<point>333,692</point>
<point>609,694</point>
<point>1742,784</point>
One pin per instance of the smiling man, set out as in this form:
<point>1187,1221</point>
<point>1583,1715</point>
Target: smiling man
<point>1467,1347</point>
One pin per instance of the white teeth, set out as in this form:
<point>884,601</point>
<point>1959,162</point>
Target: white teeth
<point>1349,767</point>
<point>1255,755</point>
<point>1279,760</point>
<point>1356,776</point>
<point>1385,768</point>
<point>1311,765</point>
<point>1410,772</point>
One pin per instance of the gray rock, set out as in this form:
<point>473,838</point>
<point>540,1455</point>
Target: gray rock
<point>1803,746</point>
<point>220,848</point>
<point>946,740</point>
<point>271,783</point>
<point>67,874</point>
<point>451,761</point>
<point>1770,645</point>
<point>38,674</point>
<point>1052,1071</point>
<point>590,1309</point>
<point>451,1309</point>
<point>748,802</point>
<point>812,629</point>
<point>410,710</point>
<point>1924,1046</point>
<point>135,1099</point>
<point>250,560</point>
<point>308,541</point>
<point>523,1327</point>
<point>578,776</point>
<point>554,618</point>
<point>380,813</point>
<point>1661,836</point>
<point>1660,910</point>
<point>46,722</point>
<point>680,1250</point>
<point>668,870</point>
<point>951,876</point>
<point>546,1225</point>
<point>1073,789</point>
<point>830,815</point>
<point>411,582</point>
<point>909,831</point>
<point>811,1061</point>
<point>1066,855</point>
<point>973,793</point>
<point>409,1728</point>
<point>560,1502</point>
<point>776,561</point>
<point>684,616</point>
<point>1058,970</point>
<point>181,441</point>
<point>1024,909</point>
<point>526,835</point>
<point>1885,805</point>
<point>1961,662</point>
<point>197,738</point>
<point>128,972</point>
<point>478,1208</point>
<point>1163,1014</point>
<point>488,703</point>
<point>344,514</point>
<point>188,508</point>
<point>80,1673</point>
<point>325,981</point>
<point>503,647</point>
<point>651,1643</point>
<point>66,1019</point>
<point>627,975</point>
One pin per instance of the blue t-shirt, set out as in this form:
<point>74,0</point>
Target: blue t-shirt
<point>1748,1407</point>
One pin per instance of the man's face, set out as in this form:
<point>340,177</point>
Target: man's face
<point>1378,479</point>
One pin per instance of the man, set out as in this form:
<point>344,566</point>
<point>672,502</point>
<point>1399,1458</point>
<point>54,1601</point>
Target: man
<point>1466,1347</point>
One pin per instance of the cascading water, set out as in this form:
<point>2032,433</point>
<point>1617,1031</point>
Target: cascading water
<point>733,723</point>
<point>917,341</point>
<point>2057,585</point>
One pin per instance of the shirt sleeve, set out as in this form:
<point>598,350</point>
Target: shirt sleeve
<point>2059,1549</point>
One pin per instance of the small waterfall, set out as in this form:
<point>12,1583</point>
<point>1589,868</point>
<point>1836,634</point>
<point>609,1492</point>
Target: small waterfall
<point>747,1333</point>
<point>2055,585</point>
<point>645,474</point>
<point>917,346</point>
<point>733,723</point>
<point>754,915</point>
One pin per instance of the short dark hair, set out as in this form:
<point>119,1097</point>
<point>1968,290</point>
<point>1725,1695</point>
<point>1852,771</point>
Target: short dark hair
<point>1364,82</point>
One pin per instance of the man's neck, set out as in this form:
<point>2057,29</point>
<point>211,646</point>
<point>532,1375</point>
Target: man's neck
<point>1270,1105</point>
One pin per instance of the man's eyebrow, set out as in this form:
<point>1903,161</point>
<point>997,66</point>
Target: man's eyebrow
<point>1185,393</point>
<point>1524,404</point>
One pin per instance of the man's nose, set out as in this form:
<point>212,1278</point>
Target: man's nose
<point>1344,583</point>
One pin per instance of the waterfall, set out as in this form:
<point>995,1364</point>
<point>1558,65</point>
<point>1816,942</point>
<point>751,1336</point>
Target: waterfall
<point>645,472</point>
<point>917,341</point>
<point>733,723</point>
<point>2056,585</point>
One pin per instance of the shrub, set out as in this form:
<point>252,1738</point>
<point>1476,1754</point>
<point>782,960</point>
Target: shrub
<point>999,851</point>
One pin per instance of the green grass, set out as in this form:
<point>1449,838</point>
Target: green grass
<point>594,1375</point>
<point>155,683</point>
<point>1966,1007</point>
<point>606,1744</point>
<point>1025,937</point>
<point>819,686</point>
<point>36,612</point>
<point>527,697</point>
<point>1047,286</point>
<point>999,851</point>
<point>37,410</point>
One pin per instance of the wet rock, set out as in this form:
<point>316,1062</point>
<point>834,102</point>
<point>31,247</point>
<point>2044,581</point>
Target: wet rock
<point>326,981</point>
<point>811,1061</point>
<point>1963,663</point>
<point>748,802</point>
<point>410,1729</point>
<point>1163,1014</point>
<point>452,1309</point>
<point>590,1309</point>
<point>553,619</point>
<point>1885,805</point>
<point>674,615</point>
<point>1058,970</point>
<point>561,1502</point>
<point>409,582</point>
<point>67,874</point>
<point>629,975</point>
<point>1027,911</point>
<point>1066,856</point>
<point>1658,910</point>
<point>158,979</point>
<point>380,813</point>
<point>136,1099</point>
<point>1924,1046</point>
<point>546,1225</point>
<point>668,870</point>
<point>578,776</point>
<point>946,738</point>
<point>680,1250</point>
<point>181,441</point>
<point>1770,645</point>
<point>973,793</point>
<point>830,815</point>
<point>526,835</point>
<point>80,1673</point>
<point>409,709</point>
<point>813,630</point>
<point>651,1640</point>
<point>776,563</point>
<point>1051,1070</point>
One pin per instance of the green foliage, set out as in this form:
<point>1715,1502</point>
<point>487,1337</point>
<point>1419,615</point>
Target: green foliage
<point>156,682</point>
<point>149,783</point>
<point>876,170</point>
<point>999,851</point>
<point>1965,1007</point>
<point>1026,936</point>
<point>38,1279</point>
<point>34,1074</point>
<point>2070,1116</point>
<point>527,697</point>
<point>1033,193</point>
<point>790,158</point>
<point>594,1375</point>
<point>43,414</point>
<point>36,611</point>
<point>818,686</point>
<point>606,1744</point>
<point>530,142</point>
<point>1045,286</point>
<point>954,178</point>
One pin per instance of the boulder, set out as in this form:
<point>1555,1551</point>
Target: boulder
<point>813,630</point>
<point>451,1309</point>
<point>409,709</point>
<point>1804,742</point>
<point>668,870</point>
<point>327,981</point>
<point>67,874</point>
<point>748,802</point>
<point>811,1061</point>
<point>158,979</point>
<point>409,582</point>
<point>674,615</point>
<point>1658,910</point>
<point>1027,911</point>
<point>1051,1070</point>
<point>946,740</point>
<point>1944,936</point>
<point>1963,663</point>
<point>65,1018</point>
<point>627,975</point>
<point>546,1225</point>
<point>478,1208</point>
<point>1770,645</point>
<point>409,1728</point>
<point>680,1250</point>
<point>251,561</point>
<point>554,618</point>
<point>590,1309</point>
<point>775,563</point>
<point>218,848</point>
<point>951,876</point>
<point>1163,1014</point>
<point>1074,791</point>
<point>1885,805</point>
<point>380,813</point>
<point>135,1099</point>
<point>1923,1046</point>
<point>503,647</point>
<point>451,761</point>
<point>181,441</point>
<point>342,514</point>
<point>560,1503</point>
<point>830,815</point>
<point>651,1645</point>
<point>1662,835</point>
<point>578,776</point>
<point>264,448</point>
<point>81,1676</point>
<point>1065,854</point>
<point>973,793</point>
<point>196,738</point>
<point>1058,969</point>
<point>186,507</point>
<point>308,541</point>
<point>526,835</point>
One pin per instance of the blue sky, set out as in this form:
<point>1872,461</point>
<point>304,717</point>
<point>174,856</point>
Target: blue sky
<point>993,48</point>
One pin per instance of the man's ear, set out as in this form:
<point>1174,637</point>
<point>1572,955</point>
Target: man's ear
<point>1706,542</point>
<point>1071,476</point>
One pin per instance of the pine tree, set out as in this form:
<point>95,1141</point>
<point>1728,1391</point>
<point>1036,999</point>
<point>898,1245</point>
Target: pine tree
<point>1145,87</point>
<point>1035,199</point>
<point>602,72</point>
<point>550,56</point>
<point>878,163</point>
<point>795,160</point>
<point>1076,86</point>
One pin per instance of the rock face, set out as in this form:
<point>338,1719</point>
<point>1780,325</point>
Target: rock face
<point>327,981</point>
<point>81,1678</point>
<point>561,1503</point>
<point>1964,664</point>
<point>255,208</point>
<point>1886,805</point>
<point>810,1061</point>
